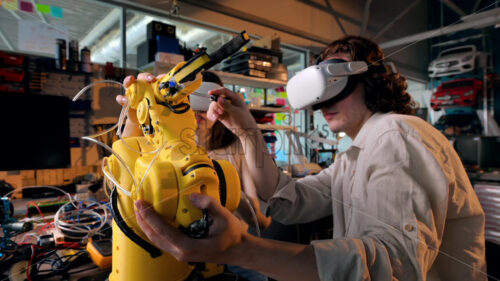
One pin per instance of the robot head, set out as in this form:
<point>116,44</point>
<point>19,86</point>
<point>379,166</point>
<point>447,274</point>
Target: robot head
<point>325,83</point>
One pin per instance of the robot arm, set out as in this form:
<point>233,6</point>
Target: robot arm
<point>166,166</point>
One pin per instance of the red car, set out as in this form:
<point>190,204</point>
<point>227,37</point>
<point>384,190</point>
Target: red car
<point>460,92</point>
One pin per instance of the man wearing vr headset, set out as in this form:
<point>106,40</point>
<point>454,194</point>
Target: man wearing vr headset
<point>403,207</point>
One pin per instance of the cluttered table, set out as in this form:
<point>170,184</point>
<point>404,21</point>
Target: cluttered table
<point>66,237</point>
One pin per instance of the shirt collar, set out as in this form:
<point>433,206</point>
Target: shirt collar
<point>366,130</point>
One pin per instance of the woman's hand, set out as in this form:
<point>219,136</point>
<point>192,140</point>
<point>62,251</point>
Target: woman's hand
<point>237,117</point>
<point>221,245</point>
<point>132,124</point>
<point>232,111</point>
<point>122,100</point>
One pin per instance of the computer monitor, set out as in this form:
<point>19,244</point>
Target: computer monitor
<point>35,132</point>
<point>489,152</point>
<point>467,149</point>
<point>478,151</point>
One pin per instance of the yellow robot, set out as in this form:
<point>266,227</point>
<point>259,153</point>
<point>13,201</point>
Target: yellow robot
<point>163,167</point>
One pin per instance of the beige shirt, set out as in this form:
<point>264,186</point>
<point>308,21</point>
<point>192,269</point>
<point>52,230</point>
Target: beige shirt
<point>232,153</point>
<point>403,207</point>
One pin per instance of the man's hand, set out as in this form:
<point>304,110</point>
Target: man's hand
<point>221,246</point>
<point>229,243</point>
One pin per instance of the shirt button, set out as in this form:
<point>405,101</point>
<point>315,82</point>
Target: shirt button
<point>409,227</point>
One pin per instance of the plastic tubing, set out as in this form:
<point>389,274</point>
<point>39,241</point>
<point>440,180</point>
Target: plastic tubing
<point>103,133</point>
<point>106,180</point>
<point>94,83</point>
<point>53,187</point>
<point>113,180</point>
<point>121,118</point>
<point>120,121</point>
<point>120,159</point>
<point>150,165</point>
<point>110,177</point>
<point>93,139</point>
<point>61,219</point>
<point>123,112</point>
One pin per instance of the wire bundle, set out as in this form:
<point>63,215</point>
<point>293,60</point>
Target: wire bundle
<point>82,221</point>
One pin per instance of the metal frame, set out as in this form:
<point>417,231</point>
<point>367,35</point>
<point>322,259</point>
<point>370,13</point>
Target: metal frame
<point>396,19</point>
<point>454,7</point>
<point>123,36</point>
<point>476,6</point>
<point>42,17</point>
<point>366,15</point>
<point>2,34</point>
<point>6,40</point>
<point>101,27</point>
<point>14,14</point>
<point>336,17</point>
<point>479,20</point>
<point>457,41</point>
<point>332,11</point>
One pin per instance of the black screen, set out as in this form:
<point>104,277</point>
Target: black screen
<point>480,151</point>
<point>467,148</point>
<point>35,132</point>
<point>489,152</point>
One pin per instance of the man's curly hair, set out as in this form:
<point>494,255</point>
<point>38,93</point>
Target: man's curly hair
<point>385,91</point>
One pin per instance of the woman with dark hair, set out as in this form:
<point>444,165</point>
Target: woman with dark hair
<point>402,204</point>
<point>212,135</point>
<point>220,144</point>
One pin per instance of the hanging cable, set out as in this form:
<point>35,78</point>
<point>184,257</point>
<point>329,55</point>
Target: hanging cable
<point>120,159</point>
<point>51,187</point>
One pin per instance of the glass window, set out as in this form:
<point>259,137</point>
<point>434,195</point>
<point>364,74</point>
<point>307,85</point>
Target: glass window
<point>36,32</point>
<point>97,26</point>
<point>189,36</point>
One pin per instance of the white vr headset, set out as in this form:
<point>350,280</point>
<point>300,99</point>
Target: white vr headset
<point>200,99</point>
<point>327,82</point>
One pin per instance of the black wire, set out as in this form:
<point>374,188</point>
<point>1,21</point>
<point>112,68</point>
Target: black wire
<point>127,231</point>
<point>68,262</point>
<point>174,108</point>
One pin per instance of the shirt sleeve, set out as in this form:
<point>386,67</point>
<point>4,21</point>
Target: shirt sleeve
<point>291,202</point>
<point>397,218</point>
